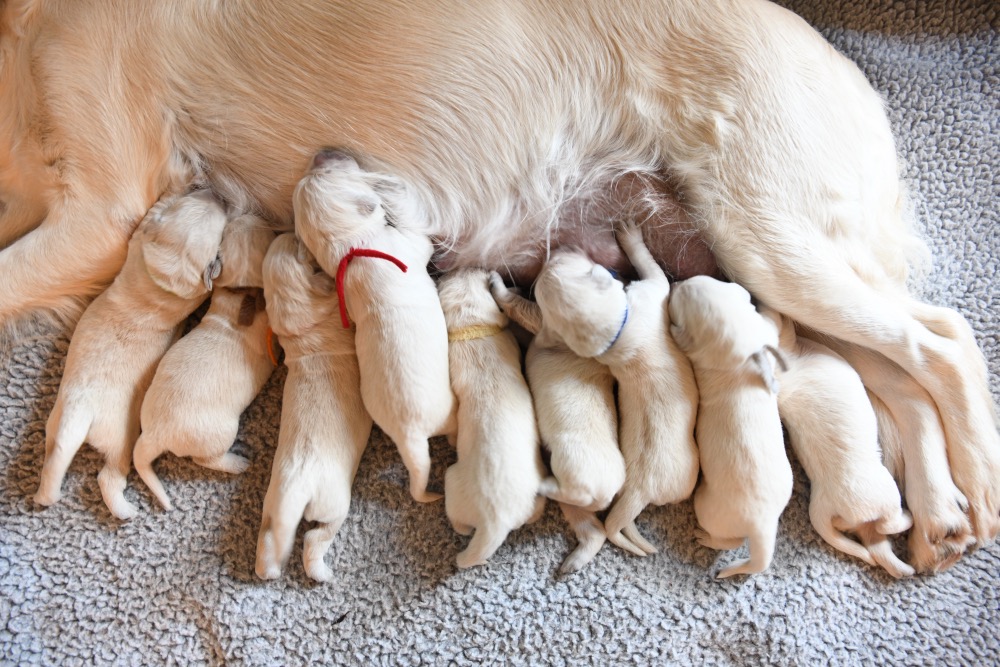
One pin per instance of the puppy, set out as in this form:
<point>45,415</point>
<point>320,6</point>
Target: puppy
<point>746,478</point>
<point>402,340</point>
<point>833,431</point>
<point>324,424</point>
<point>578,423</point>
<point>493,487</point>
<point>626,329</point>
<point>172,260</point>
<point>210,376</point>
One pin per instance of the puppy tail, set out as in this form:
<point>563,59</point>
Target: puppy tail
<point>483,544</point>
<point>145,452</point>
<point>881,551</point>
<point>841,542</point>
<point>589,536</point>
<point>761,542</point>
<point>621,519</point>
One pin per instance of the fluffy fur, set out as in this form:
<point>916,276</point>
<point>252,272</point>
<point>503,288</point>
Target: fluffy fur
<point>402,342</point>
<point>834,433</point>
<point>578,423</point>
<point>625,328</point>
<point>746,478</point>
<point>209,377</point>
<point>324,424</point>
<point>121,338</point>
<point>779,149</point>
<point>493,487</point>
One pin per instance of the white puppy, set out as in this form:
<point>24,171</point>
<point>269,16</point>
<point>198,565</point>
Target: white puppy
<point>210,376</point>
<point>746,478</point>
<point>626,329</point>
<point>578,423</point>
<point>834,433</point>
<point>402,342</point>
<point>172,259</point>
<point>324,425</point>
<point>493,487</point>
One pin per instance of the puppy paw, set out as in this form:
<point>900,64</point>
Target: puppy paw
<point>47,498</point>
<point>267,571</point>
<point>318,571</point>
<point>977,474</point>
<point>124,510</point>
<point>941,532</point>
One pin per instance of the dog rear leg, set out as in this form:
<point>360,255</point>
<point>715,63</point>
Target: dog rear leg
<point>64,434</point>
<point>621,518</point>
<point>113,477</point>
<point>145,452</point>
<point>881,551</point>
<point>483,544</point>
<point>416,456</point>
<point>283,509</point>
<point>839,541</point>
<point>589,537</point>
<point>228,462</point>
<point>315,545</point>
<point>761,542</point>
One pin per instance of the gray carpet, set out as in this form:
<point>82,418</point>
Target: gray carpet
<point>77,587</point>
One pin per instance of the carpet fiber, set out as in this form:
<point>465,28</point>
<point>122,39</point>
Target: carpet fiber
<point>78,587</point>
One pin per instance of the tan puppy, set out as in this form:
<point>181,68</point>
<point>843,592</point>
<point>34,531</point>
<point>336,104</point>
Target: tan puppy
<point>626,329</point>
<point>746,477</point>
<point>324,425</point>
<point>833,431</point>
<point>578,423</point>
<point>210,376</point>
<point>121,337</point>
<point>402,342</point>
<point>493,487</point>
<point>722,95</point>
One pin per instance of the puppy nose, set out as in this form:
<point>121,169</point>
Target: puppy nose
<point>331,155</point>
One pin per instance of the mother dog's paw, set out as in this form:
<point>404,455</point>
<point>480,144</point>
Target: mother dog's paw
<point>941,531</point>
<point>977,474</point>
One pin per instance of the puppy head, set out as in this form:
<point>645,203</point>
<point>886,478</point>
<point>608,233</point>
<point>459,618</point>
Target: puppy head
<point>716,324</point>
<point>466,299</point>
<point>244,243</point>
<point>298,295</point>
<point>581,301</point>
<point>180,242</point>
<point>336,204</point>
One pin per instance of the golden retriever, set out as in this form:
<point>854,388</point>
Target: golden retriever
<point>507,120</point>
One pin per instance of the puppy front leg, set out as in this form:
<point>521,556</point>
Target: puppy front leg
<point>630,239</point>
<point>526,313</point>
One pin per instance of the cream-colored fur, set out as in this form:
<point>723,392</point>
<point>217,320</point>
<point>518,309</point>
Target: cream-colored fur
<point>833,430</point>
<point>746,479</point>
<point>121,338</point>
<point>324,424</point>
<point>493,487</point>
<point>208,378</point>
<point>781,151</point>
<point>578,423</point>
<point>402,343</point>
<point>625,328</point>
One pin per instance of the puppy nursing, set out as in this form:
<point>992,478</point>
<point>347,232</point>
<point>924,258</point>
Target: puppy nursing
<point>834,433</point>
<point>210,376</point>
<point>578,423</point>
<point>493,487</point>
<point>121,338</point>
<point>324,424</point>
<point>402,343</point>
<point>746,477</point>
<point>626,329</point>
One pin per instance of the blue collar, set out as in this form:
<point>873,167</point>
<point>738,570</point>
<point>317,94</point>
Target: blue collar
<point>620,329</point>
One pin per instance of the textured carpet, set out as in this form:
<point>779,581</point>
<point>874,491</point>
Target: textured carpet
<point>77,587</point>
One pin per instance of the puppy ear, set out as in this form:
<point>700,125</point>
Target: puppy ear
<point>212,272</point>
<point>244,243</point>
<point>765,368</point>
<point>323,285</point>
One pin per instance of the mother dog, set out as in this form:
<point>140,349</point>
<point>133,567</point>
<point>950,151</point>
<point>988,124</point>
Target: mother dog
<point>516,125</point>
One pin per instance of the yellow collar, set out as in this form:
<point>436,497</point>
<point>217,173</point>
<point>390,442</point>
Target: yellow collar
<point>474,332</point>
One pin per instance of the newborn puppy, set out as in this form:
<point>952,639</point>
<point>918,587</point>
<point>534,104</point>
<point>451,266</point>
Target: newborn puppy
<point>746,477</point>
<point>324,425</point>
<point>493,487</point>
<point>626,329</point>
<point>402,342</point>
<point>834,433</point>
<point>171,261</point>
<point>578,422</point>
<point>210,376</point>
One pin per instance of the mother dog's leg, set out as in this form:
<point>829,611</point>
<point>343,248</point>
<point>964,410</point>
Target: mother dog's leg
<point>934,346</point>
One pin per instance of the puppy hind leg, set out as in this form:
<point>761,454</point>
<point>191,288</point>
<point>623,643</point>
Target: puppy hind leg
<point>881,551</point>
<point>279,519</point>
<point>315,544</point>
<point>483,544</point>
<point>416,456</point>
<point>841,542</point>
<point>762,542</point>
<point>65,433</point>
<point>589,534</point>
<point>621,518</point>
<point>146,451</point>
<point>113,478</point>
<point>228,462</point>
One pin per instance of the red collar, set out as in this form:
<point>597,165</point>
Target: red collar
<point>342,269</point>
